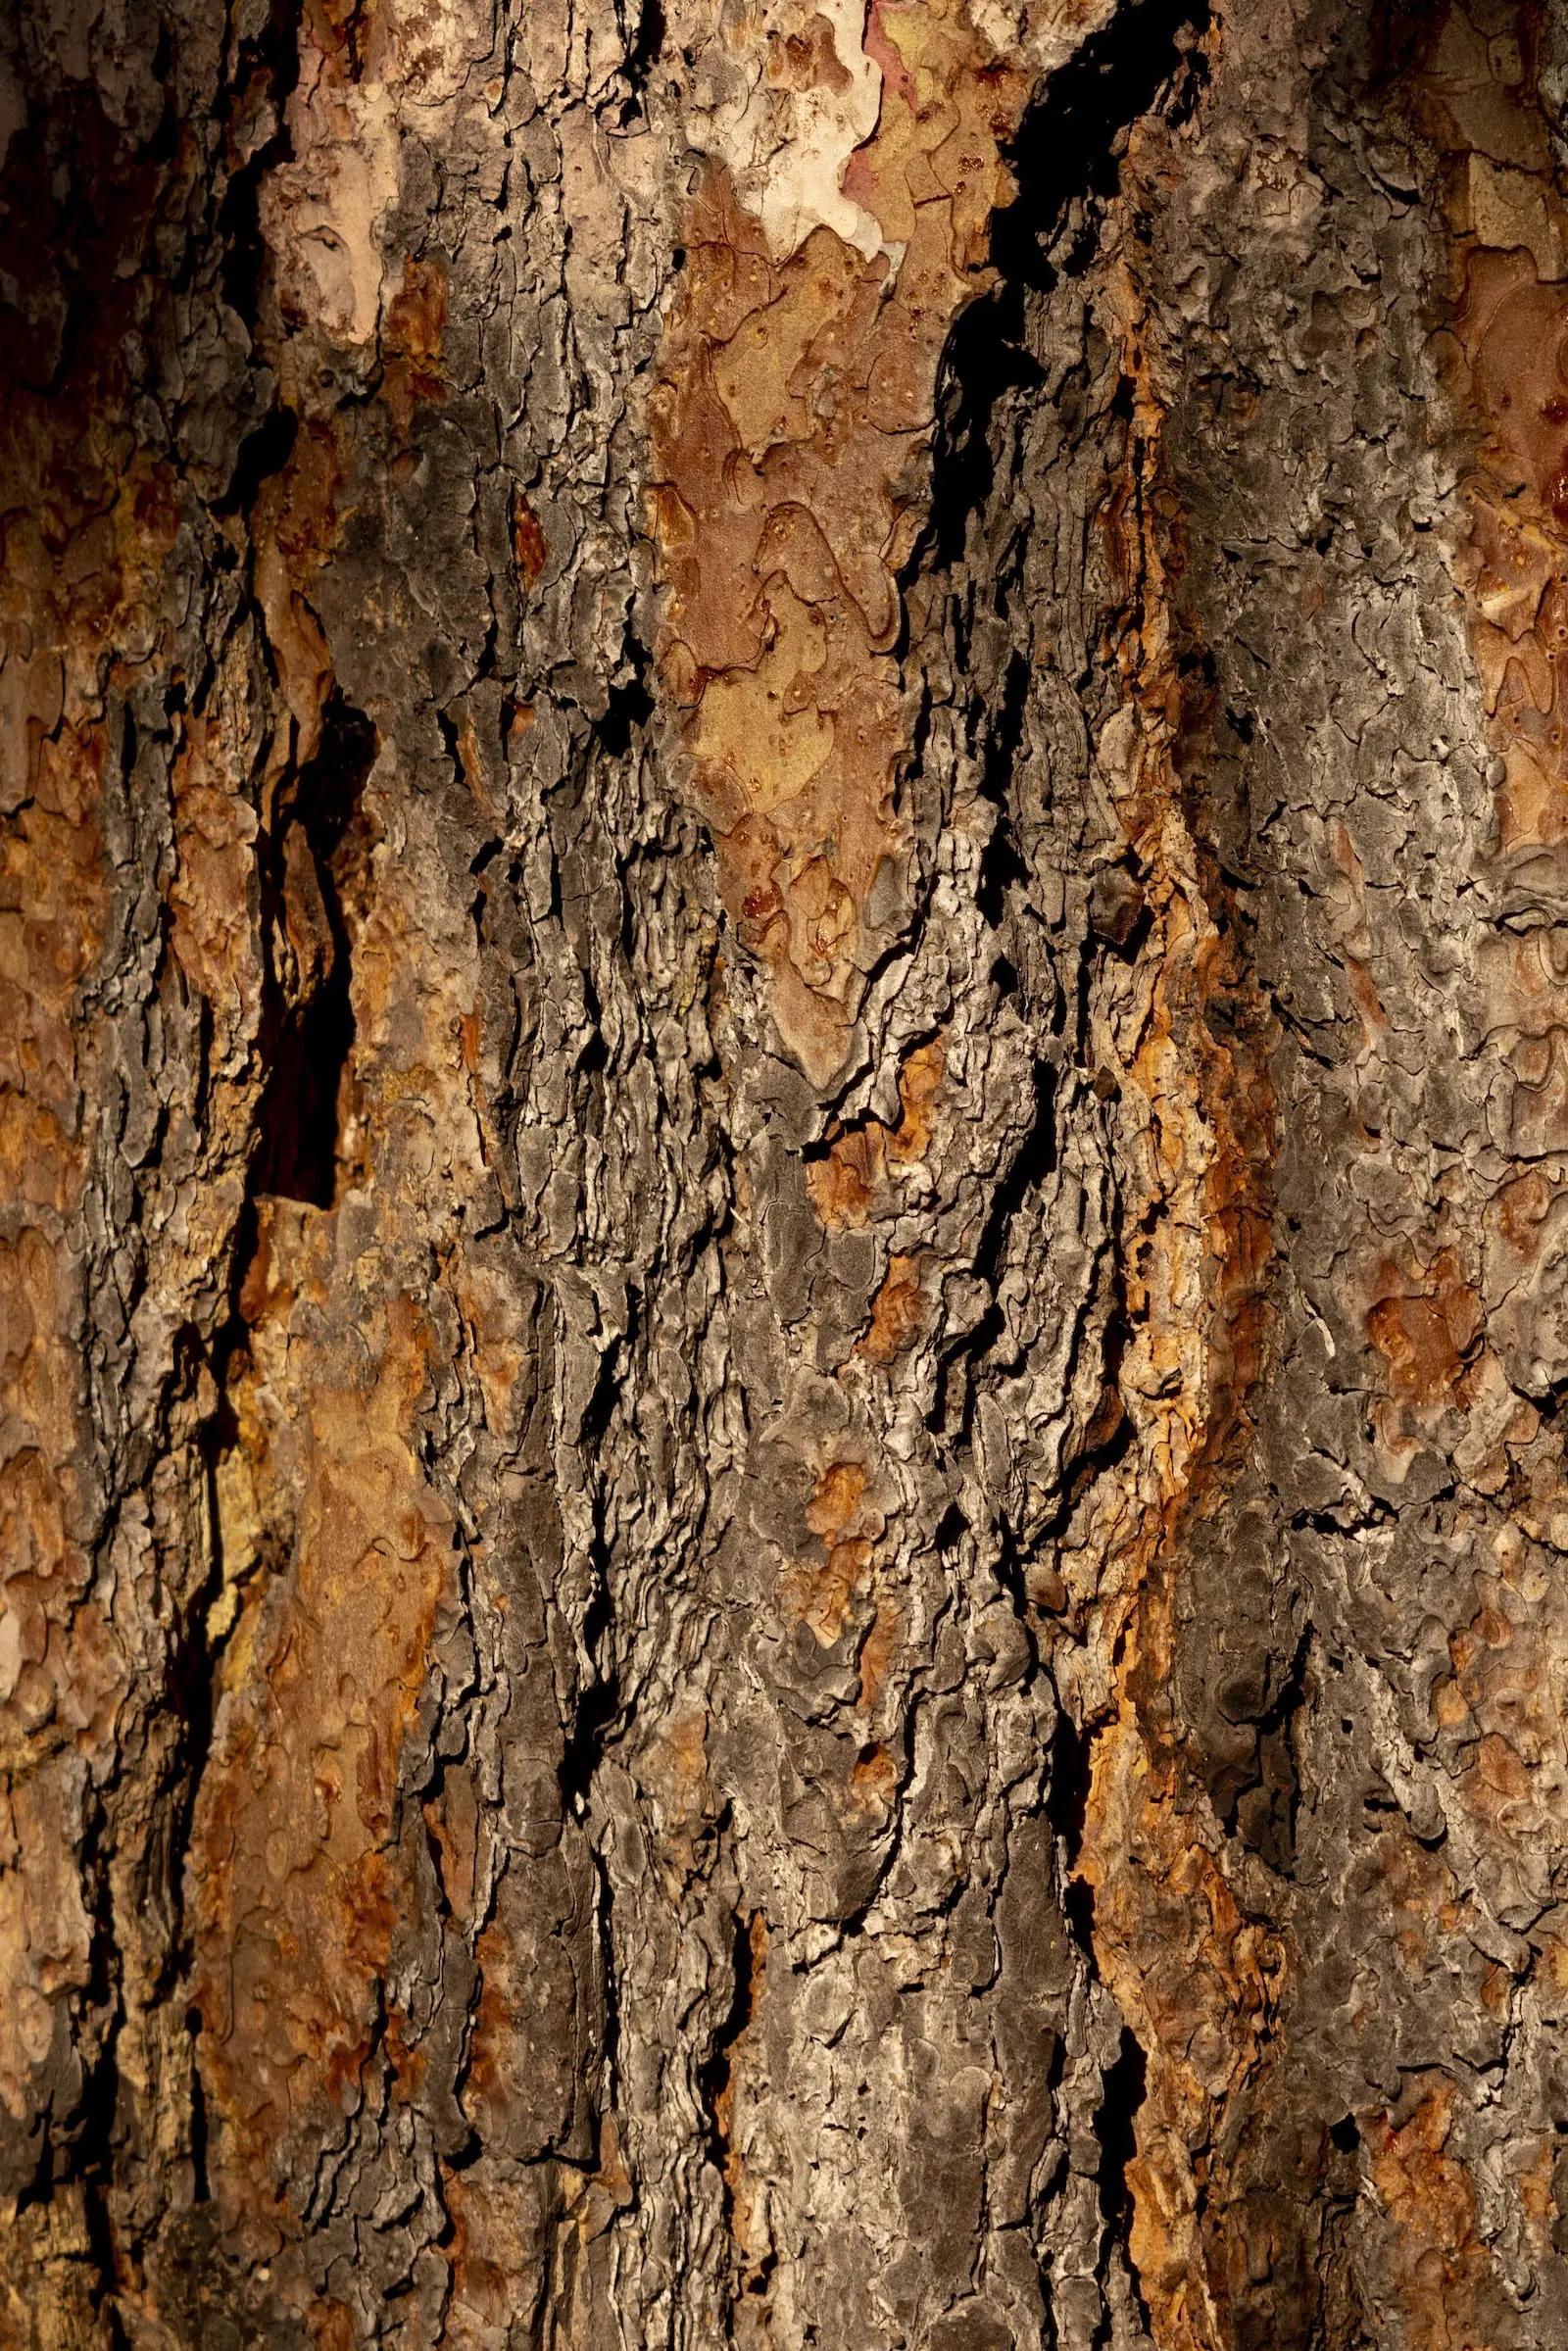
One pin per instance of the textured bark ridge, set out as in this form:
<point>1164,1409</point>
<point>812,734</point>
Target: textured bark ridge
<point>782,1112</point>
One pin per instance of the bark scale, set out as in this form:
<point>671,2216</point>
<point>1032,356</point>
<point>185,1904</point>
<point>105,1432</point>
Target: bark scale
<point>782,1120</point>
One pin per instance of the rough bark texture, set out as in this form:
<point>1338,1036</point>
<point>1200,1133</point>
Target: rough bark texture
<point>783,1110</point>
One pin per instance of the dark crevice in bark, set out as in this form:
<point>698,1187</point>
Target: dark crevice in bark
<point>93,2133</point>
<point>594,1720</point>
<point>583,1749</point>
<point>193,1679</point>
<point>609,1992</point>
<point>269,58</point>
<point>101,2258</point>
<point>598,1703</point>
<point>1118,912</point>
<point>201,2187</point>
<point>1078,1909</point>
<point>263,73</point>
<point>447,727</point>
<point>263,451</point>
<point>629,705</point>
<point>297,1154</point>
<point>1115,2129</point>
<point>1065,160</point>
<point>645,42</point>
<point>1003,864</point>
<point>592,1060</point>
<point>715,2072</point>
<point>1067,1783</point>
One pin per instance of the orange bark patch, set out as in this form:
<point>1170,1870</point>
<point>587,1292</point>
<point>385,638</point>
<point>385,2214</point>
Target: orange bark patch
<point>1506,1702</point>
<point>295,1834</point>
<point>1424,1327</point>
<point>823,1596</point>
<point>338,32</point>
<point>838,1496</point>
<point>675,1768</point>
<point>417,315</point>
<point>898,1311</point>
<point>1444,2267</point>
<point>876,1655</point>
<point>413,330</point>
<point>1198,1980</point>
<point>295,523</point>
<point>528,547</point>
<point>210,895</point>
<point>854,1179</point>
<point>795,400</point>
<point>1522,1208</point>
<point>827,1594</point>
<point>1505,355</point>
<point>873,1783</point>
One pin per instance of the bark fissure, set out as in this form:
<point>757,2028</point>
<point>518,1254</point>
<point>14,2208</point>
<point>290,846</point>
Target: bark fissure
<point>1065,157</point>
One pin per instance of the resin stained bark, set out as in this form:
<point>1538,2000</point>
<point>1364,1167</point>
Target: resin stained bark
<point>781,1107</point>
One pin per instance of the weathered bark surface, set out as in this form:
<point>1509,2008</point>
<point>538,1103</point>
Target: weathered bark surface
<point>783,1107</point>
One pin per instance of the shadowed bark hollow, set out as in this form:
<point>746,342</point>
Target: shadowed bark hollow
<point>783,1111</point>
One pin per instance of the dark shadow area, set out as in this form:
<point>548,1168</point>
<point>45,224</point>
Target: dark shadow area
<point>298,1122</point>
<point>1066,158</point>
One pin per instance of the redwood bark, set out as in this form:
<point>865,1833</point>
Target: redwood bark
<point>783,1114</point>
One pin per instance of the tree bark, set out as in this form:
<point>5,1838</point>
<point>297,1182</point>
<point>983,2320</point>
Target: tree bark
<point>783,1104</point>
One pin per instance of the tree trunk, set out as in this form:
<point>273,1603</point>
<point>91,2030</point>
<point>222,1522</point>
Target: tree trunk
<point>782,1096</point>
